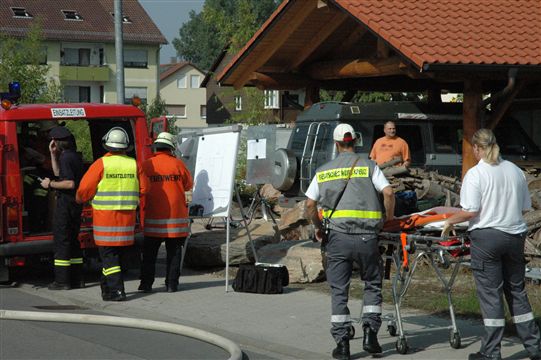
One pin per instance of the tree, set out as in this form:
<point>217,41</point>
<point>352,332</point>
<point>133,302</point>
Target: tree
<point>22,60</point>
<point>221,22</point>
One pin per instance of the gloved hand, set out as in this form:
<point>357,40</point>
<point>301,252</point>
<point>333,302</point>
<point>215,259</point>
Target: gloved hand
<point>447,229</point>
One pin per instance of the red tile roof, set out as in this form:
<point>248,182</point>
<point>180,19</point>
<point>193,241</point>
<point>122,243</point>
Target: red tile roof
<point>167,70</point>
<point>495,32</point>
<point>97,23</point>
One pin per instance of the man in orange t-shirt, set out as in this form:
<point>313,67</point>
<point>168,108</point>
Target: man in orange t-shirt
<point>166,213</point>
<point>390,147</point>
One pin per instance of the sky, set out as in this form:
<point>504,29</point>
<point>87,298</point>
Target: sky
<point>169,15</point>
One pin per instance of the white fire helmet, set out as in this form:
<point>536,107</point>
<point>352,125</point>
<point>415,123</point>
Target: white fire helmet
<point>165,138</point>
<point>116,139</point>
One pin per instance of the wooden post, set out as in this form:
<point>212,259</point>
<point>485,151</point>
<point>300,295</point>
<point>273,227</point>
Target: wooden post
<point>472,110</point>
<point>311,97</point>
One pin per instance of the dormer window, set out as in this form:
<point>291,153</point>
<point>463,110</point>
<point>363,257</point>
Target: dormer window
<point>21,13</point>
<point>72,15</point>
<point>125,19</point>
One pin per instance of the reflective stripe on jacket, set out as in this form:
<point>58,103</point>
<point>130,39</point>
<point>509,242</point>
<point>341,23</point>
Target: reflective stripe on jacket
<point>119,186</point>
<point>166,213</point>
<point>360,208</point>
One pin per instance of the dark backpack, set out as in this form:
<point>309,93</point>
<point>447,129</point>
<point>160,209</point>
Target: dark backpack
<point>261,279</point>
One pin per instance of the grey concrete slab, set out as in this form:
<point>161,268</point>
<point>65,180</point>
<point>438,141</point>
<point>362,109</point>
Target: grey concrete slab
<point>293,325</point>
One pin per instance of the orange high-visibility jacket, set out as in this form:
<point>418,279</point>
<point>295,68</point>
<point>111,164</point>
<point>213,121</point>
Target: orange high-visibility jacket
<point>115,227</point>
<point>166,213</point>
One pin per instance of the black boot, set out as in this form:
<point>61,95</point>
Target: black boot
<point>116,295</point>
<point>171,288</point>
<point>481,356</point>
<point>342,350</point>
<point>145,288</point>
<point>58,286</point>
<point>370,341</point>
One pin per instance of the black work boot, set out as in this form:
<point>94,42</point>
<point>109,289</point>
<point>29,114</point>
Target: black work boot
<point>342,350</point>
<point>172,288</point>
<point>145,288</point>
<point>370,341</point>
<point>480,356</point>
<point>58,286</point>
<point>116,295</point>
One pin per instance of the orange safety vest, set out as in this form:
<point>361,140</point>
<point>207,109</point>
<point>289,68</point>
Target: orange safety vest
<point>110,227</point>
<point>166,213</point>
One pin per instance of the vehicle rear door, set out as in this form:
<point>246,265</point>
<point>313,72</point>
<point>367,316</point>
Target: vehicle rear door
<point>445,153</point>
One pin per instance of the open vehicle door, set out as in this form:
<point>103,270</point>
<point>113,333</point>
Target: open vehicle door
<point>157,125</point>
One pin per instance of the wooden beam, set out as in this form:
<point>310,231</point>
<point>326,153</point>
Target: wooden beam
<point>382,49</point>
<point>353,38</point>
<point>340,69</point>
<point>472,112</point>
<point>280,81</point>
<point>319,37</point>
<point>279,39</point>
<point>503,106</point>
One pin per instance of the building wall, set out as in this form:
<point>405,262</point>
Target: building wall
<point>193,98</point>
<point>146,78</point>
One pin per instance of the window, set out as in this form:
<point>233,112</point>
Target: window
<point>125,19</point>
<point>77,93</point>
<point>130,92</point>
<point>194,81</point>
<point>177,110</point>
<point>72,15</point>
<point>135,58</point>
<point>203,111</point>
<point>182,81</point>
<point>271,99</point>
<point>21,13</point>
<point>238,103</point>
<point>75,57</point>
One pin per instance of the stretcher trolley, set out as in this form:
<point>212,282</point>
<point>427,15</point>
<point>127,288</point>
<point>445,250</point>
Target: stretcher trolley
<point>409,240</point>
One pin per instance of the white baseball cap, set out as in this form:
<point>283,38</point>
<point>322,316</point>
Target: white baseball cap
<point>344,133</point>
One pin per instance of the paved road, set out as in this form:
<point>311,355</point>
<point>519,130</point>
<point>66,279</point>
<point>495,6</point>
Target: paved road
<point>47,340</point>
<point>294,325</point>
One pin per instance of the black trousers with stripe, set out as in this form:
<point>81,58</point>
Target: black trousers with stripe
<point>66,225</point>
<point>112,258</point>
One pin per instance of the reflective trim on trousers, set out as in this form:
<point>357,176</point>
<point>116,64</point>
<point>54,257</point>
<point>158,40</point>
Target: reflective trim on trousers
<point>111,270</point>
<point>76,261</point>
<point>340,318</point>
<point>372,309</point>
<point>166,221</point>
<point>58,262</point>
<point>114,228</point>
<point>494,322</point>
<point>523,318</point>
<point>166,230</point>
<point>113,238</point>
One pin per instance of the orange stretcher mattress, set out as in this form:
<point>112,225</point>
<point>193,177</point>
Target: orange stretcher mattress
<point>432,219</point>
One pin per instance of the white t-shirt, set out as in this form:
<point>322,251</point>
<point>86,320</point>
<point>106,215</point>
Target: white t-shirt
<point>378,179</point>
<point>499,193</point>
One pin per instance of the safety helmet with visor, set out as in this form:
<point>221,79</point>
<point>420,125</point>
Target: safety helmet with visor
<point>116,139</point>
<point>164,140</point>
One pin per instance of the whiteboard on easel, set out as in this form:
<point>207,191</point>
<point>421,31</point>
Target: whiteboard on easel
<point>214,172</point>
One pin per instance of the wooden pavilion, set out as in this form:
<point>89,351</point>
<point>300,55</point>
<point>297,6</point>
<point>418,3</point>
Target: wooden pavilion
<point>480,48</point>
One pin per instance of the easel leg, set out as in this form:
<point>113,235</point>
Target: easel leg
<point>246,224</point>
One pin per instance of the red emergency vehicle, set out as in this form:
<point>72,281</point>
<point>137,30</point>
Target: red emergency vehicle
<point>27,210</point>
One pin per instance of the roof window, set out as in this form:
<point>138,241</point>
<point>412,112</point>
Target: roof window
<point>71,15</point>
<point>20,12</point>
<point>125,19</point>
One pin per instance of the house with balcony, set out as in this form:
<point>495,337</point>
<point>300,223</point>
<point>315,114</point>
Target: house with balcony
<point>79,43</point>
<point>185,99</point>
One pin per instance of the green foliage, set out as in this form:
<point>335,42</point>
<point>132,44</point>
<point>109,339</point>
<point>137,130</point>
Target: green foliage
<point>221,22</point>
<point>155,109</point>
<point>20,60</point>
<point>81,132</point>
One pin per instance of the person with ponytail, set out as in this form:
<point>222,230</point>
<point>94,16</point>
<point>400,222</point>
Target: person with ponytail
<point>494,197</point>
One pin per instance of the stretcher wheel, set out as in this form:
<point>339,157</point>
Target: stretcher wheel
<point>351,332</point>
<point>391,329</point>
<point>402,346</point>
<point>454,340</point>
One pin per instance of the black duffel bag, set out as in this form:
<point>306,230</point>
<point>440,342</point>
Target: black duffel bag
<point>261,278</point>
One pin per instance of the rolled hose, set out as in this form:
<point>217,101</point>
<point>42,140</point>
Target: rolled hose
<point>229,346</point>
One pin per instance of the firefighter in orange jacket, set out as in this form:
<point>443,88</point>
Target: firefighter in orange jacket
<point>166,213</point>
<point>114,184</point>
